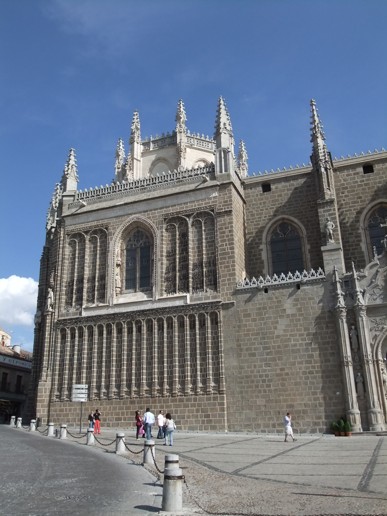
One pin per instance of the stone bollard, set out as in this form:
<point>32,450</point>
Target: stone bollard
<point>173,485</point>
<point>90,436</point>
<point>149,452</point>
<point>50,431</point>
<point>120,443</point>
<point>63,432</point>
<point>19,422</point>
<point>33,425</point>
<point>12,421</point>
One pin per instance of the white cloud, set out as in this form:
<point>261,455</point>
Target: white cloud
<point>17,301</point>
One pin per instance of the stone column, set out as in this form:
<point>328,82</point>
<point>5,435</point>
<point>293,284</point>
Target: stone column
<point>124,358</point>
<point>143,359</point>
<point>375,416</point>
<point>94,365</point>
<point>222,382</point>
<point>113,360</point>
<point>209,380</point>
<point>199,384</point>
<point>133,386</point>
<point>85,351</point>
<point>352,409</point>
<point>155,372</point>
<point>102,392</point>
<point>165,358</point>
<point>188,383</point>
<point>175,357</point>
<point>64,393</point>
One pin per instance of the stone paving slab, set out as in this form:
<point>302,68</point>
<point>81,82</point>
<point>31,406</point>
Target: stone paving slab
<point>254,474</point>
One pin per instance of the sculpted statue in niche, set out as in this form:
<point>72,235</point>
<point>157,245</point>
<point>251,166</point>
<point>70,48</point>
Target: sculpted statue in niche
<point>329,227</point>
<point>384,380</point>
<point>384,241</point>
<point>50,300</point>
<point>360,385</point>
<point>354,343</point>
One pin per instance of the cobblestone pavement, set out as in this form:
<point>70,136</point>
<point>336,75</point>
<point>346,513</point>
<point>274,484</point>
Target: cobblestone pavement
<point>255,474</point>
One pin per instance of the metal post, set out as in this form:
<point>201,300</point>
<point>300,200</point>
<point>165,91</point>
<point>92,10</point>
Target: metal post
<point>33,425</point>
<point>12,421</point>
<point>120,443</point>
<point>50,432</point>
<point>173,485</point>
<point>19,422</point>
<point>149,452</point>
<point>63,432</point>
<point>90,436</point>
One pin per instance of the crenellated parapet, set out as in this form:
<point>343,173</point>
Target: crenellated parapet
<point>282,280</point>
<point>152,182</point>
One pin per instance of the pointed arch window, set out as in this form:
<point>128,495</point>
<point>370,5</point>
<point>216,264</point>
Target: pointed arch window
<point>139,259</point>
<point>375,231</point>
<point>286,249</point>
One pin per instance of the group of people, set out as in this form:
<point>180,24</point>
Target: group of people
<point>166,426</point>
<point>95,421</point>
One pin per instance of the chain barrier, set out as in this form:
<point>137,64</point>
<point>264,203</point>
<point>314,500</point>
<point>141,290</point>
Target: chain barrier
<point>76,436</point>
<point>131,451</point>
<point>26,427</point>
<point>154,461</point>
<point>102,444</point>
<point>43,432</point>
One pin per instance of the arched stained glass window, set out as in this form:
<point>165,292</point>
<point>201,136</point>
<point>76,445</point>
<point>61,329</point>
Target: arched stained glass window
<point>286,249</point>
<point>377,232</point>
<point>139,256</point>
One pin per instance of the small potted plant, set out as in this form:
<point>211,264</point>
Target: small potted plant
<point>335,428</point>
<point>347,428</point>
<point>341,424</point>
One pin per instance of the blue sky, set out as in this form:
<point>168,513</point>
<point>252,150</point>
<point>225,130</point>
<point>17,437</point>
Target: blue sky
<point>73,72</point>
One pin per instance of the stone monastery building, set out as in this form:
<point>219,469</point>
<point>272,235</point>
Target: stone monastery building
<point>227,299</point>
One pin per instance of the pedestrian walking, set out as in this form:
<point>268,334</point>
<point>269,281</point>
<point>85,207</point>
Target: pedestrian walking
<point>139,425</point>
<point>149,421</point>
<point>170,427</point>
<point>90,419</point>
<point>97,421</point>
<point>160,424</point>
<point>288,427</point>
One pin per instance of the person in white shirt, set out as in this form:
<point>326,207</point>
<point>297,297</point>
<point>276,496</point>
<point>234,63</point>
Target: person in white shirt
<point>288,427</point>
<point>149,421</point>
<point>160,424</point>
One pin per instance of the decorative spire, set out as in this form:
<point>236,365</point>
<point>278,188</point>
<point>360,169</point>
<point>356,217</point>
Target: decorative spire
<point>339,293</point>
<point>135,133</point>
<point>321,159</point>
<point>181,135</point>
<point>70,173</point>
<point>223,120</point>
<point>224,140</point>
<point>134,167</point>
<point>52,214</point>
<point>358,292</point>
<point>316,125</point>
<point>242,159</point>
<point>120,159</point>
<point>181,117</point>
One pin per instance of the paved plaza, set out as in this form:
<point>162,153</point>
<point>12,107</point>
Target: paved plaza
<point>256,474</point>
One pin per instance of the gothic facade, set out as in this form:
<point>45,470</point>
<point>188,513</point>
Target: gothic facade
<point>225,298</point>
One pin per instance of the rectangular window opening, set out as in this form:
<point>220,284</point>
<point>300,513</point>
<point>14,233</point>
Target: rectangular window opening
<point>368,169</point>
<point>266,187</point>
